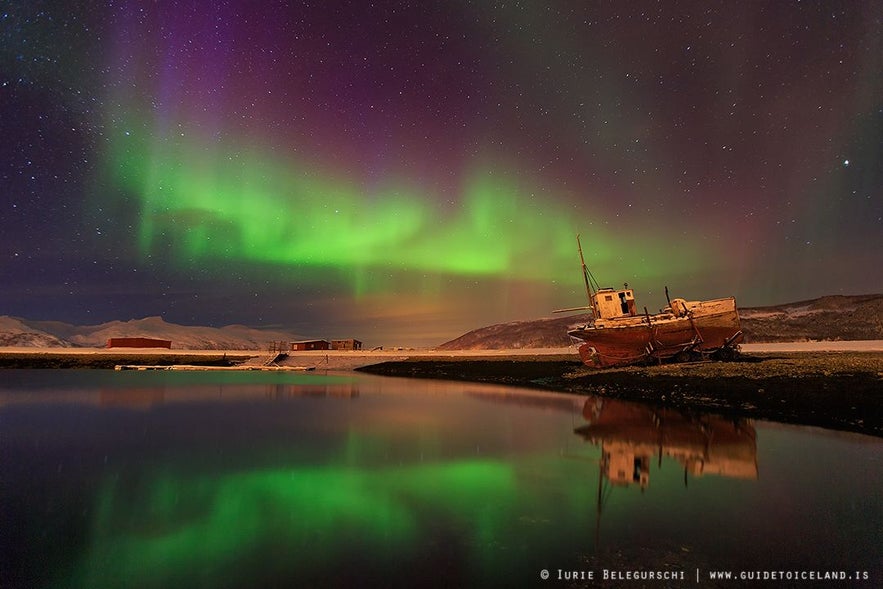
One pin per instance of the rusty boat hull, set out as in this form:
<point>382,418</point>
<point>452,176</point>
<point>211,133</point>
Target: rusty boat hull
<point>687,331</point>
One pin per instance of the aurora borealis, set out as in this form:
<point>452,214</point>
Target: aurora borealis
<point>404,172</point>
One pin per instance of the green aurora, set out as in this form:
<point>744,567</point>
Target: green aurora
<point>407,175</point>
<point>210,201</point>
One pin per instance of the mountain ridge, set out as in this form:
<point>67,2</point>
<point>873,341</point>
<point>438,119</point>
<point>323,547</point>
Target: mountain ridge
<point>18,332</point>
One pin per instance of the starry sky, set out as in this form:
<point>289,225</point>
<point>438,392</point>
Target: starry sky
<point>403,172</point>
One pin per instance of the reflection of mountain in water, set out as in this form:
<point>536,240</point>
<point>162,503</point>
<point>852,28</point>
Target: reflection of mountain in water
<point>629,434</point>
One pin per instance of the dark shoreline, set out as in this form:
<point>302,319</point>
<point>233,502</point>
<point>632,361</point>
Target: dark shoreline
<point>837,390</point>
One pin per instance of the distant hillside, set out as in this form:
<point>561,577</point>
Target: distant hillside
<point>21,332</point>
<point>835,317</point>
<point>18,333</point>
<point>540,333</point>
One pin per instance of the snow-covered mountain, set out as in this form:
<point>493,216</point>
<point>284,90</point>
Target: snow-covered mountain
<point>25,333</point>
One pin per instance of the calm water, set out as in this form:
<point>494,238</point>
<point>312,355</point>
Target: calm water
<point>214,479</point>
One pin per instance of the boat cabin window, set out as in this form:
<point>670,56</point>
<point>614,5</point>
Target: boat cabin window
<point>623,303</point>
<point>608,298</point>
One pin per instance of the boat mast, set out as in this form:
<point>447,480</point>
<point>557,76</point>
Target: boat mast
<point>591,287</point>
<point>591,283</point>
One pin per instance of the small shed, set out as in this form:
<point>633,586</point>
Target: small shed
<point>311,344</point>
<point>138,342</point>
<point>346,344</point>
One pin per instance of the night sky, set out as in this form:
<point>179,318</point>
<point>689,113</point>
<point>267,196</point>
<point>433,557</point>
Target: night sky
<point>403,172</point>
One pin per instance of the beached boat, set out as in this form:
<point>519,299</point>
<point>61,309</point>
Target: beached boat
<point>618,335</point>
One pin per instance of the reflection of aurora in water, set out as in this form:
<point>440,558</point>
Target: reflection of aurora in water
<point>216,483</point>
<point>299,520</point>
